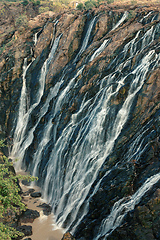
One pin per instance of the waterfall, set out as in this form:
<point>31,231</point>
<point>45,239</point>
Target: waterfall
<point>125,15</point>
<point>23,107</point>
<point>86,38</point>
<point>46,137</point>
<point>35,38</point>
<point>22,141</point>
<point>99,50</point>
<point>80,162</point>
<point>69,152</point>
<point>123,206</point>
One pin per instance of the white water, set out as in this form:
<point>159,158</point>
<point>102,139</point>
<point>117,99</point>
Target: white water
<point>99,50</point>
<point>86,39</point>
<point>18,134</point>
<point>88,152</point>
<point>46,137</point>
<point>35,38</point>
<point>123,206</point>
<point>125,15</point>
<point>137,45</point>
<point>22,141</point>
<point>148,14</point>
<point>79,151</point>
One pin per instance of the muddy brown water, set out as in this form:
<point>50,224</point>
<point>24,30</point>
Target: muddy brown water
<point>43,228</point>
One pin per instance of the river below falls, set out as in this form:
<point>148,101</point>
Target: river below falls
<point>43,228</point>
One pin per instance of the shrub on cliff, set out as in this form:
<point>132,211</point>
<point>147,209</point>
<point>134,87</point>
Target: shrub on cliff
<point>43,9</point>
<point>10,199</point>
<point>110,1</point>
<point>90,4</point>
<point>25,2</point>
<point>80,6</point>
<point>22,21</point>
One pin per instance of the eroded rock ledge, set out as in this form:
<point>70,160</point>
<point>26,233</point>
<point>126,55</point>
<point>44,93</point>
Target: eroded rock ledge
<point>144,221</point>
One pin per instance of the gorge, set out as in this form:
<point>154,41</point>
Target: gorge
<point>80,107</point>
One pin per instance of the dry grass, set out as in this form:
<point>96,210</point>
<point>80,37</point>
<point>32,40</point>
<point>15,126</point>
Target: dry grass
<point>139,2</point>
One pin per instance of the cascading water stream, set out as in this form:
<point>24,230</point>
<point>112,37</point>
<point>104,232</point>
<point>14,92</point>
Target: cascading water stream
<point>88,152</point>
<point>18,134</point>
<point>86,39</point>
<point>48,128</point>
<point>35,39</point>
<point>123,206</point>
<point>21,141</point>
<point>76,153</point>
<point>99,50</point>
<point>120,21</point>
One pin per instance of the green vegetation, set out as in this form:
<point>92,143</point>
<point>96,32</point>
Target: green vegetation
<point>2,49</point>
<point>80,6</point>
<point>110,1</point>
<point>43,9</point>
<point>57,5</point>
<point>22,20</point>
<point>133,2</point>
<point>10,199</point>
<point>35,3</point>
<point>90,4</point>
<point>25,2</point>
<point>131,14</point>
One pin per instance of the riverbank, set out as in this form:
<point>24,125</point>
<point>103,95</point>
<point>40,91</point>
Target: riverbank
<point>43,227</point>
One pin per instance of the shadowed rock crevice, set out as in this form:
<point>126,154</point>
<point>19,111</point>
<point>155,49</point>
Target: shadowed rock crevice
<point>87,93</point>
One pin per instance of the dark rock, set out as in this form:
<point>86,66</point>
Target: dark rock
<point>28,239</point>
<point>26,182</point>
<point>28,216</point>
<point>28,192</point>
<point>27,230</point>
<point>47,209</point>
<point>36,194</point>
<point>135,156</point>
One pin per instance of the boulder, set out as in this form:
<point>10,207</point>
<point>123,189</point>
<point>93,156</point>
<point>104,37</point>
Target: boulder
<point>27,230</point>
<point>68,236</point>
<point>36,194</point>
<point>31,190</point>
<point>28,216</point>
<point>47,209</point>
<point>26,182</point>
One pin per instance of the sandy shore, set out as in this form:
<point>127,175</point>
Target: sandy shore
<point>43,228</point>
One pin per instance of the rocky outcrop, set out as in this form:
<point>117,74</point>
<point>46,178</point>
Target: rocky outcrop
<point>47,209</point>
<point>36,194</point>
<point>68,236</point>
<point>127,170</point>
<point>142,223</point>
<point>18,24</point>
<point>25,229</point>
<point>29,216</point>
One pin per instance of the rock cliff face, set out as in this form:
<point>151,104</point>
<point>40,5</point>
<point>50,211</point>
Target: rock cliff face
<point>80,98</point>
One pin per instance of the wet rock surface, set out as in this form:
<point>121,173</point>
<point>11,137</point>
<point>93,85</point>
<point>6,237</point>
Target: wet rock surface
<point>36,194</point>
<point>29,216</point>
<point>142,130</point>
<point>142,223</point>
<point>47,209</point>
<point>27,230</point>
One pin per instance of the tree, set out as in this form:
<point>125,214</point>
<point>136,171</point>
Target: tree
<point>110,1</point>
<point>80,6</point>
<point>25,2</point>
<point>10,200</point>
<point>88,5</point>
